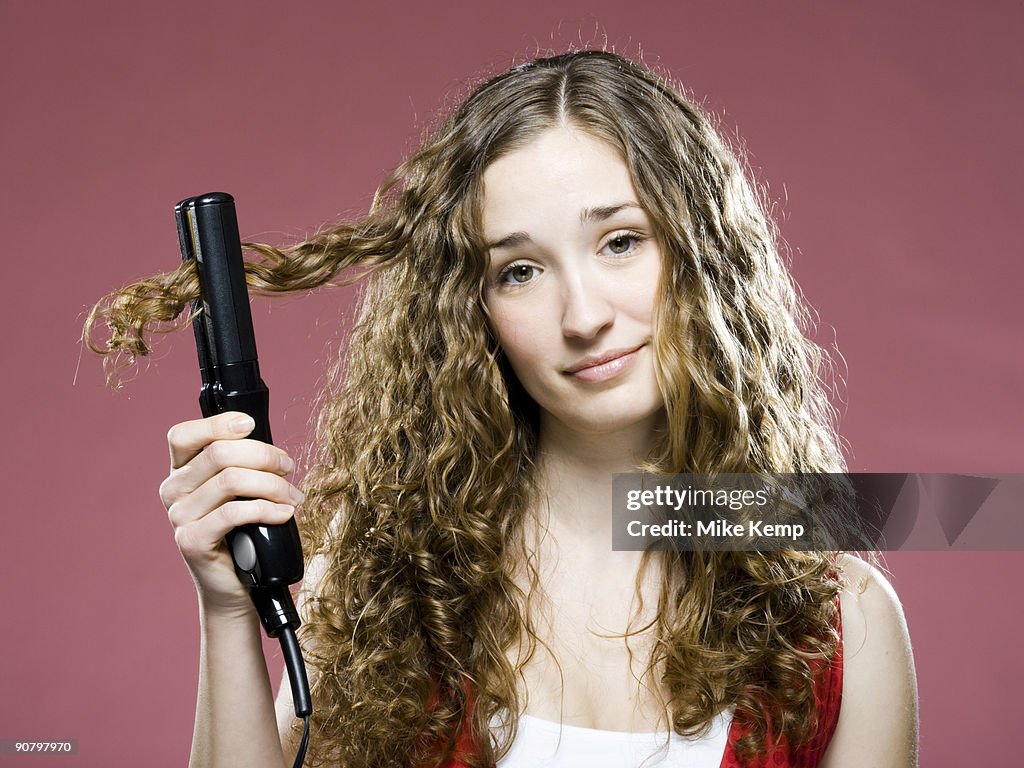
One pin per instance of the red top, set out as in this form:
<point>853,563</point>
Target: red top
<point>828,689</point>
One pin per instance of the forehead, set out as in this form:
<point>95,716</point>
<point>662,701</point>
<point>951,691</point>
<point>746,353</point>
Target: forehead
<point>563,170</point>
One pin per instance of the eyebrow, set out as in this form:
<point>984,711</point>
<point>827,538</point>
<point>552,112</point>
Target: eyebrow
<point>587,215</point>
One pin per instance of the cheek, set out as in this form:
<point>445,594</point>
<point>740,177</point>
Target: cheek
<point>639,288</point>
<point>506,331</point>
<point>519,338</point>
<point>640,298</point>
<point>513,340</point>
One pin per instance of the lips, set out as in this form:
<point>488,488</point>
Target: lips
<point>603,366</point>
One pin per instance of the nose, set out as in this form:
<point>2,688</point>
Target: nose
<point>586,305</point>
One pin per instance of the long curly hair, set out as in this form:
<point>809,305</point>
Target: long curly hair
<point>423,469</point>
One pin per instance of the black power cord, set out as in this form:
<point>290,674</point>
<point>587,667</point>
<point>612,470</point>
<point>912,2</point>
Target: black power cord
<point>300,685</point>
<point>301,754</point>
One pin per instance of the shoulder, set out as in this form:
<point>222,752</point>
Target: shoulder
<point>878,715</point>
<point>872,614</point>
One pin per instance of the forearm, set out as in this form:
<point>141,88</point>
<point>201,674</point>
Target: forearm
<point>235,722</point>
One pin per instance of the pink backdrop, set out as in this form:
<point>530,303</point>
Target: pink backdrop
<point>887,134</point>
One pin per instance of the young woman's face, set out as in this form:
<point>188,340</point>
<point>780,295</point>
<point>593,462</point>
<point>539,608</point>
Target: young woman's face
<point>572,281</point>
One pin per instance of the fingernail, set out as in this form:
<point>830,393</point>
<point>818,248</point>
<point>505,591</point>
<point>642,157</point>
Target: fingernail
<point>243,424</point>
<point>296,494</point>
<point>287,464</point>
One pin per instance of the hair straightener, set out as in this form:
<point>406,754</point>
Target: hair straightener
<point>267,558</point>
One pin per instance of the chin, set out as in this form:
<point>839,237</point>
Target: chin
<point>607,422</point>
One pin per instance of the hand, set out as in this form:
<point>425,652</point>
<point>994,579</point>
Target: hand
<point>211,464</point>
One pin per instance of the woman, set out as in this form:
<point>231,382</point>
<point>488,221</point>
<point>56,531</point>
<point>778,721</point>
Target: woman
<point>571,278</point>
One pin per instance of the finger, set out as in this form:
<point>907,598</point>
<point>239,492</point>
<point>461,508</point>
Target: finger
<point>188,438</point>
<point>203,536</point>
<point>219,455</point>
<point>228,485</point>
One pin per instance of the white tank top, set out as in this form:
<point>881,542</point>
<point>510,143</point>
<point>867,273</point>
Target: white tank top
<point>546,744</point>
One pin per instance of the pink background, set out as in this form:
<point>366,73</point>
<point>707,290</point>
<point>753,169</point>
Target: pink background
<point>887,134</point>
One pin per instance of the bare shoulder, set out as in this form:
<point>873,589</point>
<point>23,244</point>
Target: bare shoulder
<point>878,716</point>
<point>865,588</point>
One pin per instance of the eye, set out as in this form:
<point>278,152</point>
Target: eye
<point>517,274</point>
<point>619,243</point>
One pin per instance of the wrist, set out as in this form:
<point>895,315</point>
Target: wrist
<point>213,612</point>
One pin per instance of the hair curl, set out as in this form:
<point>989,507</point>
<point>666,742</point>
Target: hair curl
<point>425,442</point>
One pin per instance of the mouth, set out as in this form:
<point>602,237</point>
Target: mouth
<point>605,365</point>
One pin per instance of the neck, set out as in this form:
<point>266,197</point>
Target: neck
<point>576,470</point>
